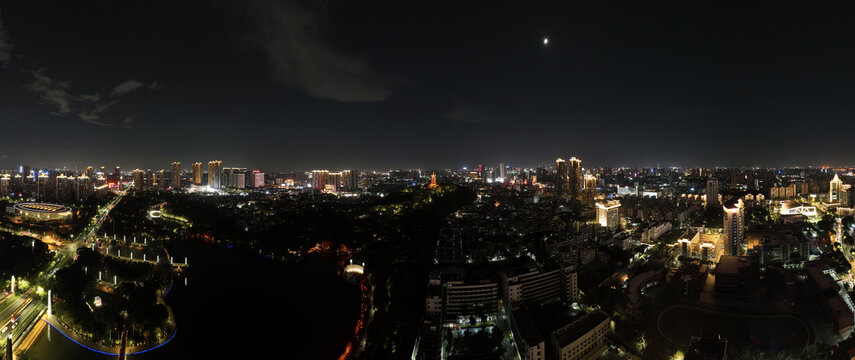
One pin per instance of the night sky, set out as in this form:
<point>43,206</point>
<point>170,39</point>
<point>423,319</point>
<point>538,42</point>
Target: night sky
<point>404,84</point>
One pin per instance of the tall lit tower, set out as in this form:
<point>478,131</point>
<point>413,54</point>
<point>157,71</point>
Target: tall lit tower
<point>215,173</point>
<point>836,186</point>
<point>590,188</point>
<point>433,181</point>
<point>139,179</point>
<point>161,178</point>
<point>712,192</point>
<point>734,225</point>
<point>176,175</point>
<point>575,178</point>
<point>561,177</point>
<point>197,173</point>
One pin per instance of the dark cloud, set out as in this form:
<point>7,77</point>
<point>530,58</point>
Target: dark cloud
<point>129,121</point>
<point>301,58</point>
<point>88,107</point>
<point>92,115</point>
<point>53,93</point>
<point>126,87</point>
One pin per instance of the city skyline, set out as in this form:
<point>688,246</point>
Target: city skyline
<point>447,180</point>
<point>82,169</point>
<point>617,85</point>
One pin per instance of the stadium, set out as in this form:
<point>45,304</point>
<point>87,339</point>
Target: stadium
<point>41,212</point>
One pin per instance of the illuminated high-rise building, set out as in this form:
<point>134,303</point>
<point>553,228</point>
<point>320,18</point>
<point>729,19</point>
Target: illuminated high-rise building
<point>834,190</point>
<point>590,188</point>
<point>90,172</point>
<point>561,181</point>
<point>197,173</point>
<point>256,179</point>
<point>176,175</point>
<point>117,176</point>
<point>503,173</point>
<point>608,214</point>
<point>712,192</point>
<point>234,178</point>
<point>734,226</point>
<point>139,179</point>
<point>215,173</point>
<point>83,187</point>
<point>575,178</point>
<point>161,179</point>
<point>5,185</point>
<point>319,179</point>
<point>350,178</point>
<point>334,180</point>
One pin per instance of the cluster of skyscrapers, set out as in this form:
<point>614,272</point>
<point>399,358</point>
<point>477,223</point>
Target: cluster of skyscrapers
<point>48,185</point>
<point>572,183</point>
<point>347,180</point>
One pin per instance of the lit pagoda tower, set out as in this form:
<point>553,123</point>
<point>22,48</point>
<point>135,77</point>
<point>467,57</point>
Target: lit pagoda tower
<point>433,181</point>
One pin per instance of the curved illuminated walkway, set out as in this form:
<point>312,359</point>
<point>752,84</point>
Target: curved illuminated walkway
<point>772,332</point>
<point>103,349</point>
<point>110,350</point>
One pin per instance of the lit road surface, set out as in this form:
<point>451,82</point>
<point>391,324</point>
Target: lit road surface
<point>9,306</point>
<point>28,311</point>
<point>70,249</point>
<point>26,306</point>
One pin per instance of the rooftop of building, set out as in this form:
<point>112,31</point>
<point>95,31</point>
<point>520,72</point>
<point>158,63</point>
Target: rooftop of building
<point>43,208</point>
<point>776,234</point>
<point>732,203</point>
<point>579,328</point>
<point>816,273</point>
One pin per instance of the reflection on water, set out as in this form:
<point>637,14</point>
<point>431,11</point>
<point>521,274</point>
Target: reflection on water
<point>237,306</point>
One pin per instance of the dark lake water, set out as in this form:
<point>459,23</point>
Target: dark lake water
<point>242,306</point>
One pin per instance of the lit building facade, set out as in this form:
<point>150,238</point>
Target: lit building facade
<point>197,173</point>
<point>608,214</point>
<point>176,175</point>
<point>256,179</point>
<point>535,285</point>
<point>215,173</point>
<point>139,179</point>
<point>712,192</point>
<point>561,181</point>
<point>234,178</point>
<point>590,188</point>
<point>575,178</point>
<point>319,179</point>
<point>734,226</point>
<point>834,190</point>
<point>583,338</point>
<point>350,179</point>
